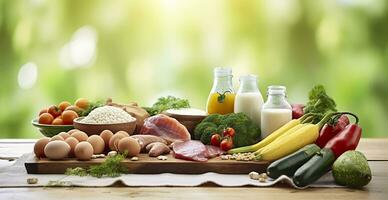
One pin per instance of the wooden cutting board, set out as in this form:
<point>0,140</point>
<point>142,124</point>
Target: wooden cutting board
<point>149,165</point>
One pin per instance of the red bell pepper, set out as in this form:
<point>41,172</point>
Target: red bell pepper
<point>330,130</point>
<point>345,140</point>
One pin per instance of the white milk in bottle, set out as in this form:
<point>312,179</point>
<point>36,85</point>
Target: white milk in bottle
<point>248,98</point>
<point>276,111</point>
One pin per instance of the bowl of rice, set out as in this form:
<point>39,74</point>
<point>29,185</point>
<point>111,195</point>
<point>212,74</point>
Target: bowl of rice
<point>106,118</point>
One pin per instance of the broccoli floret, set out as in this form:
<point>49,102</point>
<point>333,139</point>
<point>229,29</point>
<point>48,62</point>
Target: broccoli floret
<point>207,134</point>
<point>214,118</point>
<point>200,128</point>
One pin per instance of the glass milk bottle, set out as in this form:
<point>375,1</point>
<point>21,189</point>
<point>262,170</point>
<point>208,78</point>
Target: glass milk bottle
<point>248,98</point>
<point>221,97</point>
<point>276,111</point>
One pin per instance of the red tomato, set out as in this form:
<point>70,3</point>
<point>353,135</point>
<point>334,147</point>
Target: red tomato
<point>215,140</point>
<point>226,144</point>
<point>229,132</point>
<point>54,111</point>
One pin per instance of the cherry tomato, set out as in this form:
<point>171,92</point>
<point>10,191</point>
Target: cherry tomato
<point>229,132</point>
<point>54,111</point>
<point>215,140</point>
<point>226,144</point>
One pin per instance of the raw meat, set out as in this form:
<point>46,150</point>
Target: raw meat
<point>165,127</point>
<point>157,148</point>
<point>190,150</point>
<point>213,151</point>
<point>145,140</point>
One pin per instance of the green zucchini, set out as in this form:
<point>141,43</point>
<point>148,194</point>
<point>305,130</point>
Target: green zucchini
<point>315,168</point>
<point>289,164</point>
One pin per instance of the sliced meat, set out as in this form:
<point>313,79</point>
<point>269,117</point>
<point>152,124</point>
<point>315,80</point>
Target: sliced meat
<point>213,151</point>
<point>165,127</point>
<point>190,150</point>
<point>157,148</point>
<point>145,140</point>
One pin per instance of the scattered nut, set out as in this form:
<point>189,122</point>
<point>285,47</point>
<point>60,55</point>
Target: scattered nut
<point>162,157</point>
<point>261,179</point>
<point>112,153</point>
<point>254,175</point>
<point>98,156</point>
<point>263,175</point>
<point>32,180</point>
<point>134,158</point>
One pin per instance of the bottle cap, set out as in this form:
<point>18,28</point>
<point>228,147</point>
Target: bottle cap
<point>222,71</point>
<point>276,90</point>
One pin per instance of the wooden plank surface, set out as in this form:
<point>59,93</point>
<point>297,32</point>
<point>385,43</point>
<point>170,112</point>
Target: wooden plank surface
<point>151,165</point>
<point>374,149</point>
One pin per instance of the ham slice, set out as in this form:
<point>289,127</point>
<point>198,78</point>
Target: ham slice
<point>213,151</point>
<point>190,150</point>
<point>165,127</point>
<point>194,150</point>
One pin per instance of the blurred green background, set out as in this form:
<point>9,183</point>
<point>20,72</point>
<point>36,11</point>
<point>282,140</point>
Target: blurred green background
<point>139,50</point>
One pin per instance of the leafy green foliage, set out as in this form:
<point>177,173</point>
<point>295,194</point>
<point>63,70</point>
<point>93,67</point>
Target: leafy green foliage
<point>91,107</point>
<point>165,103</point>
<point>111,167</point>
<point>247,132</point>
<point>319,103</point>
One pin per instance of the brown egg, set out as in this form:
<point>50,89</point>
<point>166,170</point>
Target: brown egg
<point>39,147</point>
<point>83,151</point>
<point>129,145</point>
<point>114,140</point>
<point>64,135</point>
<point>106,135</point>
<point>72,142</point>
<point>97,142</point>
<point>122,132</point>
<point>80,136</point>
<point>72,131</point>
<point>57,150</point>
<point>56,137</point>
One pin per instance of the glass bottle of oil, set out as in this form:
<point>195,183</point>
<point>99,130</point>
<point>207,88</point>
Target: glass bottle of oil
<point>221,97</point>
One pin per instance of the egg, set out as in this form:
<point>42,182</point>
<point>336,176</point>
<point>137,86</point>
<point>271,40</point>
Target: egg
<point>129,145</point>
<point>64,135</point>
<point>97,142</point>
<point>114,140</point>
<point>106,135</point>
<point>57,150</point>
<point>83,151</point>
<point>39,147</point>
<point>56,137</point>
<point>72,142</point>
<point>122,132</point>
<point>72,131</point>
<point>80,135</point>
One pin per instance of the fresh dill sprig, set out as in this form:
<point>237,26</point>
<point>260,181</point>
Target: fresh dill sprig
<point>111,167</point>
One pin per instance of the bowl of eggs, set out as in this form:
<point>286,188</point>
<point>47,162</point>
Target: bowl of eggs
<point>106,118</point>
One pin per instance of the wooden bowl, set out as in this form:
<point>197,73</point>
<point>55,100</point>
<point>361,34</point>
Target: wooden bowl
<point>189,121</point>
<point>96,129</point>
<point>49,130</point>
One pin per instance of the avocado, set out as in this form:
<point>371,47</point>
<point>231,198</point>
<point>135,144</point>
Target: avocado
<point>351,169</point>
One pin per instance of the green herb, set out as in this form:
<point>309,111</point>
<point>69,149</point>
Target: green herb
<point>165,103</point>
<point>111,167</point>
<point>319,103</point>
<point>221,97</point>
<point>91,107</point>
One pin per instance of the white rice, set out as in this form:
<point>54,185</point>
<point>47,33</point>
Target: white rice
<point>107,115</point>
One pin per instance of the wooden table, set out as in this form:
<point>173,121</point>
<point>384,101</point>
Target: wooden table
<point>376,150</point>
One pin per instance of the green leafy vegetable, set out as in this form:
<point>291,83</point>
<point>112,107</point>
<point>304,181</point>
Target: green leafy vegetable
<point>247,132</point>
<point>165,103</point>
<point>319,103</point>
<point>92,106</point>
<point>111,167</point>
<point>221,97</point>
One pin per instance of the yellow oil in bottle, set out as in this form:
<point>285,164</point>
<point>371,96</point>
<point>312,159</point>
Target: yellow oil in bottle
<point>220,103</point>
